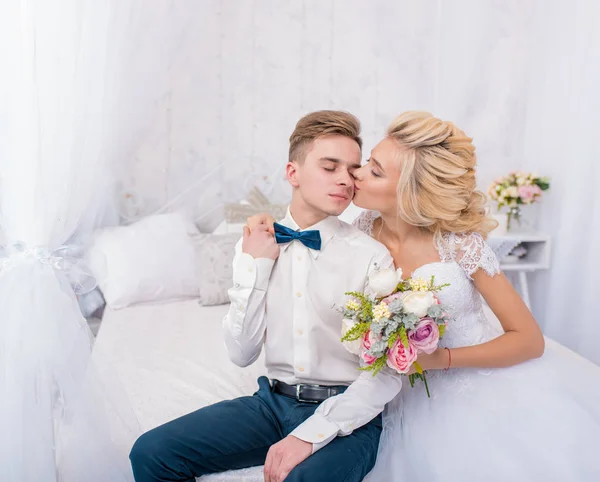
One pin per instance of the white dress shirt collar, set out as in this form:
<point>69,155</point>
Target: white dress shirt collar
<point>328,228</point>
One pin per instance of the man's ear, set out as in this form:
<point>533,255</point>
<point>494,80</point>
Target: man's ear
<point>291,173</point>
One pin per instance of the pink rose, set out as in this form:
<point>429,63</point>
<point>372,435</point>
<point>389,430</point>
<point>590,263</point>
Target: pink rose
<point>367,341</point>
<point>401,358</point>
<point>387,300</point>
<point>529,193</point>
<point>425,337</point>
<point>525,193</point>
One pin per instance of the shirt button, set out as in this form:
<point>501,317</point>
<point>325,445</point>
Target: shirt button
<point>299,258</point>
<point>298,294</point>
<point>300,369</point>
<point>300,332</point>
<point>250,270</point>
<point>321,435</point>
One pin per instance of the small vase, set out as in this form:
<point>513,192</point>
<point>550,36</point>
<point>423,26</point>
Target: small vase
<point>513,215</point>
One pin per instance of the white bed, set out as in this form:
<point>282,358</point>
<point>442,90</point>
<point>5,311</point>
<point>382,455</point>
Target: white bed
<point>172,360</point>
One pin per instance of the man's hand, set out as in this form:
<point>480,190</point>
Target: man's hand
<point>263,219</point>
<point>284,456</point>
<point>260,243</point>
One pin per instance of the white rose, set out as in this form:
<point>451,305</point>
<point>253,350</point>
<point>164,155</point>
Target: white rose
<point>352,346</point>
<point>417,302</point>
<point>512,191</point>
<point>383,282</point>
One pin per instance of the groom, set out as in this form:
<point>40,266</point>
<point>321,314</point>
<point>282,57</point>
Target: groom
<point>316,417</point>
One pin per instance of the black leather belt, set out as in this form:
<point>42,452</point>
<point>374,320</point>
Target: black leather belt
<point>307,393</point>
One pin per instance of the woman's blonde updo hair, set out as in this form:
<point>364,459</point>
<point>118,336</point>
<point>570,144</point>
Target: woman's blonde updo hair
<point>436,189</point>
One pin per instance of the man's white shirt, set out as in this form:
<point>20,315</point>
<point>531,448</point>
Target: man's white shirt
<point>292,308</point>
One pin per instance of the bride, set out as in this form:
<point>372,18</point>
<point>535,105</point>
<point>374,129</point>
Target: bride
<point>502,407</point>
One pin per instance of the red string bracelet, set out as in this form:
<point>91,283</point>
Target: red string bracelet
<point>449,359</point>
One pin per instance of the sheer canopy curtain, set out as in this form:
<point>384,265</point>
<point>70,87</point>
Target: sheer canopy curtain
<point>561,133</point>
<point>79,81</point>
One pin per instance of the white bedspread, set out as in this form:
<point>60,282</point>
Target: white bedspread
<point>172,360</point>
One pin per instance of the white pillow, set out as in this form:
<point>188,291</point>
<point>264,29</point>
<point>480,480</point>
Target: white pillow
<point>150,260</point>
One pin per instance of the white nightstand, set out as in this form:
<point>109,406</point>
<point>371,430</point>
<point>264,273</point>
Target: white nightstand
<point>537,257</point>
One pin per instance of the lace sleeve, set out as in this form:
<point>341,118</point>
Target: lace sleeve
<point>365,221</point>
<point>472,253</point>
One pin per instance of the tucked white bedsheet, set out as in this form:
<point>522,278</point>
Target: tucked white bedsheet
<point>172,360</point>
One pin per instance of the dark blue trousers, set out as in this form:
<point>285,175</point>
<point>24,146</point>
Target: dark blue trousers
<point>238,433</point>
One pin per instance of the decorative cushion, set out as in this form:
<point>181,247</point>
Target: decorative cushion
<point>214,264</point>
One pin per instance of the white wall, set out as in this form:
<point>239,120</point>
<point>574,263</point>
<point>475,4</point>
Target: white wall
<point>247,70</point>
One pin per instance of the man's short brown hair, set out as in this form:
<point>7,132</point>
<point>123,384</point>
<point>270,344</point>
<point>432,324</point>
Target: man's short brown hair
<point>319,124</point>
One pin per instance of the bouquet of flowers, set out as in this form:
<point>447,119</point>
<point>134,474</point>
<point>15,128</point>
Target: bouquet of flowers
<point>518,188</point>
<point>515,190</point>
<point>402,319</point>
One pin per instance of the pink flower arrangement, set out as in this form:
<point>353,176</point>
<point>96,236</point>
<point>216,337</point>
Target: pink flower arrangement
<point>395,327</point>
<point>518,188</point>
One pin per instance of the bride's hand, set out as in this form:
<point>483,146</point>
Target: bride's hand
<point>262,218</point>
<point>438,360</point>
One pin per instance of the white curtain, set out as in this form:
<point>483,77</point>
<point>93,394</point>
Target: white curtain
<point>79,81</point>
<point>561,140</point>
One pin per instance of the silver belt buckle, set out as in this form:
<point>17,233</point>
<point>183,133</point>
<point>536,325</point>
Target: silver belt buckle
<point>299,387</point>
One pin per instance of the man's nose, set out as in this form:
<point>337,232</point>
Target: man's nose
<point>346,179</point>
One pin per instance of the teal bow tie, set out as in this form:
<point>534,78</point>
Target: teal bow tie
<point>311,239</point>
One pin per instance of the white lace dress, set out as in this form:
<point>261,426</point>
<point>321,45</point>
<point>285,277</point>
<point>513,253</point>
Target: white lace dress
<point>538,421</point>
